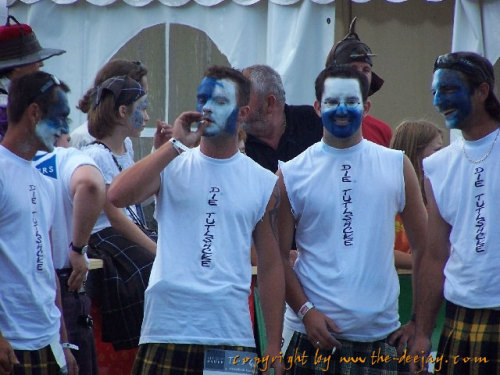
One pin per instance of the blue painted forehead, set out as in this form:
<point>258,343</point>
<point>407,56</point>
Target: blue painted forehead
<point>207,85</point>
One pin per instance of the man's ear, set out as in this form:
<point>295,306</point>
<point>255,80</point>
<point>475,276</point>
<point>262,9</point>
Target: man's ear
<point>483,91</point>
<point>243,112</point>
<point>270,103</point>
<point>366,107</point>
<point>34,113</point>
<point>317,107</point>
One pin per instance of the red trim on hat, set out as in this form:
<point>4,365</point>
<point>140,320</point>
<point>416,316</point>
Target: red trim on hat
<point>9,32</point>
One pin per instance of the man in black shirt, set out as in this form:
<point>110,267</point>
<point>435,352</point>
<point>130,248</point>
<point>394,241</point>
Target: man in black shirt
<point>275,130</point>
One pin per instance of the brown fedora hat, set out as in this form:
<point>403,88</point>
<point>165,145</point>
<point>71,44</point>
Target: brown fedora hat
<point>19,46</point>
<point>351,49</point>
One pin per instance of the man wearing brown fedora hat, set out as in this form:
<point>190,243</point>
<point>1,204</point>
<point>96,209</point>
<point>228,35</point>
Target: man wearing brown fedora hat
<point>350,50</point>
<point>20,53</point>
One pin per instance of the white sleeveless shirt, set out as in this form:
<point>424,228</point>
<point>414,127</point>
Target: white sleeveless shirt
<point>344,202</point>
<point>207,210</point>
<point>468,197</point>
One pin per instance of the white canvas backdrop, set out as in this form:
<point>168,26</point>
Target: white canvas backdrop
<point>292,36</point>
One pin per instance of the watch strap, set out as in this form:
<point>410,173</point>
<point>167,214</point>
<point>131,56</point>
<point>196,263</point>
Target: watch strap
<point>80,250</point>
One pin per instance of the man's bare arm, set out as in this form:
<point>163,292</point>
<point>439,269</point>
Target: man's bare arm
<point>270,276</point>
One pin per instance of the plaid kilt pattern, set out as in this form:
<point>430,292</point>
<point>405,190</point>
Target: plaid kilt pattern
<point>125,277</point>
<point>174,359</point>
<point>36,362</point>
<point>470,337</point>
<point>354,358</point>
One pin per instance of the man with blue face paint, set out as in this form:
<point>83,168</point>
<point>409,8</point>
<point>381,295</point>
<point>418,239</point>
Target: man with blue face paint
<point>351,50</point>
<point>80,194</point>
<point>55,122</point>
<point>212,200</point>
<point>216,100</point>
<point>29,318</point>
<point>341,196</point>
<point>461,260</point>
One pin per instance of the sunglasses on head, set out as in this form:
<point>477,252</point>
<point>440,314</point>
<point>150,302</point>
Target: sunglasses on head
<point>51,82</point>
<point>460,63</point>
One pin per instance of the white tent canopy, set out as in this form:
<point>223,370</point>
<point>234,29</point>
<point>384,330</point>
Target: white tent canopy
<point>292,36</point>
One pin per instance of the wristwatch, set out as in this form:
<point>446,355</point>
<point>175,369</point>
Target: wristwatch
<point>80,250</point>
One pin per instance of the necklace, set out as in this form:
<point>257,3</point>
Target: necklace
<point>484,156</point>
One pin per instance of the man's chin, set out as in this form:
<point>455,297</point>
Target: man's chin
<point>246,126</point>
<point>254,127</point>
<point>47,145</point>
<point>210,133</point>
<point>453,124</point>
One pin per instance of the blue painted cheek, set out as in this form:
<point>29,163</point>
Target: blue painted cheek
<point>437,101</point>
<point>65,128</point>
<point>231,122</point>
<point>458,101</point>
<point>57,114</point>
<point>137,119</point>
<point>462,112</point>
<point>328,119</point>
<point>57,125</point>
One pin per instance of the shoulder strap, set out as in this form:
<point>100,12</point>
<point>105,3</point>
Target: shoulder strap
<point>111,152</point>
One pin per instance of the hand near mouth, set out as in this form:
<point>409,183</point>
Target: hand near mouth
<point>182,128</point>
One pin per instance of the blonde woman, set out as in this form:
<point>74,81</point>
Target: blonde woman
<point>418,139</point>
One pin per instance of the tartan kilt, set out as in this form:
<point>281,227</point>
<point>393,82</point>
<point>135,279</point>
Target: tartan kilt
<point>36,362</point>
<point>470,341</point>
<point>119,287</point>
<point>174,359</point>
<point>354,358</point>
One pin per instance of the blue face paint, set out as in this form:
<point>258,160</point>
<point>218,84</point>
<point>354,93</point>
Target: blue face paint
<point>205,91</point>
<point>55,122</point>
<point>452,97</point>
<point>216,100</point>
<point>342,106</point>
<point>137,119</point>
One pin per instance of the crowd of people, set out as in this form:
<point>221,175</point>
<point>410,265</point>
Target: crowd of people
<point>322,198</point>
